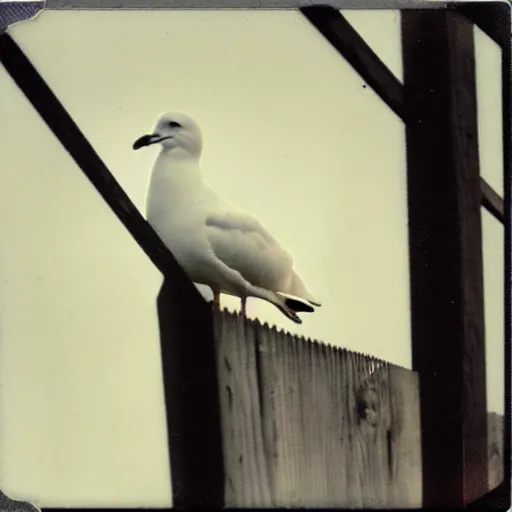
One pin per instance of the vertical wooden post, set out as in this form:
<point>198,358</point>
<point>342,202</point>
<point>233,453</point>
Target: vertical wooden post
<point>445,243</point>
<point>191,395</point>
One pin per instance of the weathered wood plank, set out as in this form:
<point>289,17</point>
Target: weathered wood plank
<point>306,425</point>
<point>498,497</point>
<point>495,433</point>
<point>355,469</point>
<point>405,438</point>
<point>373,423</point>
<point>266,349</point>
<point>336,446</point>
<point>247,481</point>
<point>445,237</point>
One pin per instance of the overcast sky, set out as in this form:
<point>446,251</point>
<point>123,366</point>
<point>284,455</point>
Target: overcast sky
<point>291,133</point>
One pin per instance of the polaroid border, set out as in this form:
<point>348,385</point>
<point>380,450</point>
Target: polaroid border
<point>204,486</point>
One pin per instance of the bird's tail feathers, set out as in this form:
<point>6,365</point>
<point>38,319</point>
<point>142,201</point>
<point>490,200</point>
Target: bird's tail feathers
<point>299,291</point>
<point>287,307</point>
<point>287,304</point>
<point>296,303</point>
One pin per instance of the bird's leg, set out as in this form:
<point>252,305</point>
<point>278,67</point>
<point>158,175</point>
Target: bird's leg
<point>216,301</point>
<point>243,301</point>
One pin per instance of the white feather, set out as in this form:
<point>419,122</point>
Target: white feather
<point>217,243</point>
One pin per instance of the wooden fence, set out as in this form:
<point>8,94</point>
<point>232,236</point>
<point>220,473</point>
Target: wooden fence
<point>306,424</point>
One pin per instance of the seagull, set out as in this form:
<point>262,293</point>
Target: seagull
<point>215,242</point>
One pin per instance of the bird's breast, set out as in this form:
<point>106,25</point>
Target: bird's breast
<point>175,209</point>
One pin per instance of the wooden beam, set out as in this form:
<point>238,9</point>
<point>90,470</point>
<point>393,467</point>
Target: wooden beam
<point>445,244</point>
<point>492,201</point>
<point>345,39</point>
<point>67,132</point>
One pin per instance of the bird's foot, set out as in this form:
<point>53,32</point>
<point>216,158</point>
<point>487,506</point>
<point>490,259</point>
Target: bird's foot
<point>216,302</point>
<point>243,308</point>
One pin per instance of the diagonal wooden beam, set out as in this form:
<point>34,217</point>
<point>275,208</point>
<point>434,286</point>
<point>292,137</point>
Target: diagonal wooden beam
<point>338,31</point>
<point>491,201</point>
<point>73,140</point>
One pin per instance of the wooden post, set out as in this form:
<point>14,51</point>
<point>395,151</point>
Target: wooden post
<point>191,396</point>
<point>494,19</point>
<point>445,241</point>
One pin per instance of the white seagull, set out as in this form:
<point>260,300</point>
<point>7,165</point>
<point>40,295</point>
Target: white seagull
<point>217,243</point>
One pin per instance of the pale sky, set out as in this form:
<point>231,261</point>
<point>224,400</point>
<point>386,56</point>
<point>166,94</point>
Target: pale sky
<point>290,133</point>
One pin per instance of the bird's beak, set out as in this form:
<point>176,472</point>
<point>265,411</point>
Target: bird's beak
<point>147,140</point>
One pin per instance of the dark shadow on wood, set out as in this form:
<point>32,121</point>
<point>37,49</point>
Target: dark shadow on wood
<point>445,244</point>
<point>345,39</point>
<point>191,396</point>
<point>497,499</point>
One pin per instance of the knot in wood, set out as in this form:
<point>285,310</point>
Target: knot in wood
<point>368,405</point>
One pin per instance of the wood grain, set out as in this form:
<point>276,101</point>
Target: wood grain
<point>495,436</point>
<point>445,247</point>
<point>405,428</point>
<point>309,425</point>
<point>246,473</point>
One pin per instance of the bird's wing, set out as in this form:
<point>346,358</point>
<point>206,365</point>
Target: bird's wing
<point>243,243</point>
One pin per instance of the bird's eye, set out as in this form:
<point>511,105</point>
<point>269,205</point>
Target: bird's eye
<point>174,124</point>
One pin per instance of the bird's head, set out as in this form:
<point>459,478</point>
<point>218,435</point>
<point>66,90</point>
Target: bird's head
<point>174,131</point>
